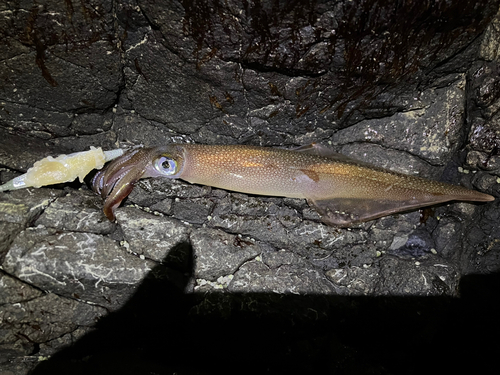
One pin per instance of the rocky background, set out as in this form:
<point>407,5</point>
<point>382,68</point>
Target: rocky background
<point>195,280</point>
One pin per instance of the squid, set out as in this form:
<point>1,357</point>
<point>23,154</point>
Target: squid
<point>343,191</point>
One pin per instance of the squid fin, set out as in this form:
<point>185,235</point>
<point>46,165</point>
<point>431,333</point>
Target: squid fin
<point>344,212</point>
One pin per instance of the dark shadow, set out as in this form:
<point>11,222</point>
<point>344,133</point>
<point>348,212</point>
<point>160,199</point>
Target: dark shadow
<point>160,331</point>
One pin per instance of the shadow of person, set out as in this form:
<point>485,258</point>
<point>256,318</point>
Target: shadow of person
<point>164,330</point>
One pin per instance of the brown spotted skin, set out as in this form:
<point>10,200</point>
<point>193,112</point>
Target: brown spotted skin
<point>250,169</point>
<point>279,172</point>
<point>342,190</point>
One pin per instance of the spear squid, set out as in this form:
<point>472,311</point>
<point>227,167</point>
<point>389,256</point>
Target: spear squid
<point>343,191</point>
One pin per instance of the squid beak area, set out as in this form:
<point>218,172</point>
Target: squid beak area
<point>117,180</point>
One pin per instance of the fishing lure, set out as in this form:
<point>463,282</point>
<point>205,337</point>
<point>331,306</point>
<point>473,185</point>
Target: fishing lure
<point>63,168</point>
<point>344,191</point>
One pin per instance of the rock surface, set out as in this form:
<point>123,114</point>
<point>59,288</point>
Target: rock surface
<point>191,271</point>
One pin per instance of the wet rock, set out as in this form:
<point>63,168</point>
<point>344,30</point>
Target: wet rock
<point>164,206</point>
<point>483,105</point>
<point>20,208</point>
<point>437,113</point>
<point>15,291</point>
<point>218,254</point>
<point>448,237</point>
<point>61,316</point>
<point>8,231</point>
<point>106,140</point>
<point>490,48</point>
<point>195,210</point>
<point>77,265</point>
<point>257,277</point>
<point>265,228</point>
<point>152,190</point>
<point>415,244</point>
<point>427,277</point>
<point>151,236</point>
<point>79,211</point>
<point>389,158</point>
<point>135,129</point>
<point>55,73</point>
<point>354,280</point>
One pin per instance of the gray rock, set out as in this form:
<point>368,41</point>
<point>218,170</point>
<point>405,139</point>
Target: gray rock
<point>257,277</point>
<point>151,236</point>
<point>218,254</point>
<point>19,209</point>
<point>60,316</point>
<point>15,291</point>
<point>78,265</point>
<point>354,280</point>
<point>437,114</point>
<point>196,210</point>
<point>490,48</point>
<point>79,211</point>
<point>424,278</point>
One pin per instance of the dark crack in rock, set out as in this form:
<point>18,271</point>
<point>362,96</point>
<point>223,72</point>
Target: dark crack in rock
<point>60,316</point>
<point>218,254</point>
<point>13,290</point>
<point>20,208</point>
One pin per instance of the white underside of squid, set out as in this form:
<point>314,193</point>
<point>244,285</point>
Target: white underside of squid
<point>63,168</point>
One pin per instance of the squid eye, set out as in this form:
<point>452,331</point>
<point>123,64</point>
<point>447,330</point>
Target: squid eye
<point>166,166</point>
